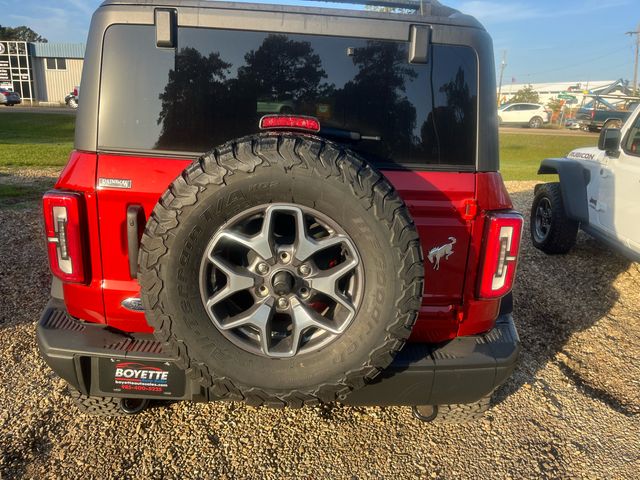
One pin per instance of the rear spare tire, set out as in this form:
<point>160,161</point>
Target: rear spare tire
<point>281,270</point>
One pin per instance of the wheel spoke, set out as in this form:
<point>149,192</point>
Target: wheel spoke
<point>325,282</point>
<point>259,317</point>
<point>260,243</point>
<point>305,247</point>
<point>305,317</point>
<point>236,280</point>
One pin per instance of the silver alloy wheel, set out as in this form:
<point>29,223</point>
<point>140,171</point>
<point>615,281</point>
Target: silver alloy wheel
<point>536,122</point>
<point>281,280</point>
<point>543,219</point>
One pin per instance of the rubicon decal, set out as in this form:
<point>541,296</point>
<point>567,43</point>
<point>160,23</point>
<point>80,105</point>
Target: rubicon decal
<point>137,376</point>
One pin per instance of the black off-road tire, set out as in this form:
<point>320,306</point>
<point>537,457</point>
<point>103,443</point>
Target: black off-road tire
<point>563,231</point>
<point>462,412</point>
<point>107,406</point>
<point>452,413</point>
<point>101,406</point>
<point>271,168</point>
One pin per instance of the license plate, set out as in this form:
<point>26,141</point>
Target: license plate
<point>158,379</point>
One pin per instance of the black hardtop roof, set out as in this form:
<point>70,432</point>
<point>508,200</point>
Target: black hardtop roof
<point>429,11</point>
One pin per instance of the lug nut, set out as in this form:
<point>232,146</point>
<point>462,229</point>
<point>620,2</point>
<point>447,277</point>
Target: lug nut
<point>263,291</point>
<point>262,268</point>
<point>304,269</point>
<point>283,303</point>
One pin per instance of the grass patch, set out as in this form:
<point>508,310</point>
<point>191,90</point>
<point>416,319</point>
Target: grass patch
<point>35,139</point>
<point>520,154</point>
<point>20,191</point>
<point>12,195</point>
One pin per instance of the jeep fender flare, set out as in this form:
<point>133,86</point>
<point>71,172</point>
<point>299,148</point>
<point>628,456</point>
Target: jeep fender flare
<point>574,179</point>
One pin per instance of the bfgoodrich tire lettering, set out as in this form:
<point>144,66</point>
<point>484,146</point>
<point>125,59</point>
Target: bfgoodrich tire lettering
<point>299,170</point>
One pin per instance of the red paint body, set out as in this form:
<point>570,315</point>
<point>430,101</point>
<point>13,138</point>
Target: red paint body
<point>443,205</point>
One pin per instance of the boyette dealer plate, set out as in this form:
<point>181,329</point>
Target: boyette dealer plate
<point>137,377</point>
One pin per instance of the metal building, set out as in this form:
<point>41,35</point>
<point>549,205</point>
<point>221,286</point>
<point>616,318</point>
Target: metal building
<point>57,69</point>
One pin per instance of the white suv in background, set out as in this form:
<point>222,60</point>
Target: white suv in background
<point>532,114</point>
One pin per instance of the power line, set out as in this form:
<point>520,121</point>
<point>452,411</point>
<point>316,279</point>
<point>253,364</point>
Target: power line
<point>564,67</point>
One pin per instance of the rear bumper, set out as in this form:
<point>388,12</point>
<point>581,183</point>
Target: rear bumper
<point>92,359</point>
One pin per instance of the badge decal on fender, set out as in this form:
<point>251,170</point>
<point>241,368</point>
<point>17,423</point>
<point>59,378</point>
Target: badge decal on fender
<point>443,251</point>
<point>114,183</point>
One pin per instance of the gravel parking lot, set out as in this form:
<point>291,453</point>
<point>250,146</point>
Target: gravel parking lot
<point>572,409</point>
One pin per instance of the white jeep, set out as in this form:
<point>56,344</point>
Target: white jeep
<point>598,192</point>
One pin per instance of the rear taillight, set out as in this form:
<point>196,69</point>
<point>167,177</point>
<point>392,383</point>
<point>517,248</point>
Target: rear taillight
<point>593,114</point>
<point>75,92</point>
<point>295,122</point>
<point>63,214</point>
<point>501,248</point>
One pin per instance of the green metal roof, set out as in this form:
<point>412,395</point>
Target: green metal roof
<point>64,50</point>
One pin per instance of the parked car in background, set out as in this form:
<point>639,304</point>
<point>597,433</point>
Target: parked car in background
<point>596,118</point>
<point>72,100</point>
<point>597,193</point>
<point>9,98</point>
<point>532,115</point>
<point>572,124</point>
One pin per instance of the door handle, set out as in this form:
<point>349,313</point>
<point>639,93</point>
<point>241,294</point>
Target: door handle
<point>135,220</point>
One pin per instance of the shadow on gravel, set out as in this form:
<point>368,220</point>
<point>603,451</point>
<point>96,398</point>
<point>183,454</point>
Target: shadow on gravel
<point>555,297</point>
<point>24,271</point>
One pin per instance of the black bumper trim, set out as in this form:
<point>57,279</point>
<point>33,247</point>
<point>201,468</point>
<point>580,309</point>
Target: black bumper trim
<point>461,371</point>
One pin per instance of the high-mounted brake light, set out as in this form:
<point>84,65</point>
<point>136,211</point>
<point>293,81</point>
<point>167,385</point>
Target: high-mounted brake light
<point>502,245</point>
<point>63,213</point>
<point>295,122</point>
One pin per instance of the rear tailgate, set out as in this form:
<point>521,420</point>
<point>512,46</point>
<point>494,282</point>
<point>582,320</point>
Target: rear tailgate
<point>126,181</point>
<point>438,202</point>
<point>442,204</point>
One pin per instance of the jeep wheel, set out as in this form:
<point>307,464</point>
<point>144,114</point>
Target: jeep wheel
<point>536,122</point>
<point>551,230</point>
<point>107,406</point>
<point>73,103</point>
<point>281,270</point>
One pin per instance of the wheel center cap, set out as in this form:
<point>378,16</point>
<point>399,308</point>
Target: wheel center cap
<point>283,282</point>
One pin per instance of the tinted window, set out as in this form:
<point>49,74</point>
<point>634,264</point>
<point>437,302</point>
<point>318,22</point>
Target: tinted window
<point>218,83</point>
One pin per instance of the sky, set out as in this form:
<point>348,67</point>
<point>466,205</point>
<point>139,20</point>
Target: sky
<point>544,40</point>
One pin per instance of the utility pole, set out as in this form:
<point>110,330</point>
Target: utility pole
<point>635,67</point>
<point>503,65</point>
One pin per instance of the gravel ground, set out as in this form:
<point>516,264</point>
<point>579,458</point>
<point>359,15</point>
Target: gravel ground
<point>570,410</point>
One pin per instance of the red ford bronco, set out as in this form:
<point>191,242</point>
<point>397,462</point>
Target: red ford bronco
<point>290,206</point>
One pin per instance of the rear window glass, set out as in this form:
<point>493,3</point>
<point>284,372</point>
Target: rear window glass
<point>218,83</point>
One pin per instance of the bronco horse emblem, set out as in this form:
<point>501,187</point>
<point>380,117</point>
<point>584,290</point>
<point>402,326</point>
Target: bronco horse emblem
<point>438,253</point>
